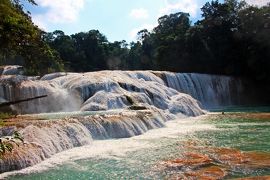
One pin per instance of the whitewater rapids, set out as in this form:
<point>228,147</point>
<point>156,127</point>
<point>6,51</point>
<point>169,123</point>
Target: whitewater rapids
<point>123,104</point>
<point>175,93</point>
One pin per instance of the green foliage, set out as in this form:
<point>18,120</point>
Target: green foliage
<point>232,38</point>
<point>21,39</point>
<point>4,147</point>
<point>18,136</point>
<point>5,115</point>
<point>6,143</point>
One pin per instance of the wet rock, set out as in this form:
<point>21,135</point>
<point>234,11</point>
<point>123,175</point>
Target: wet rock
<point>190,159</point>
<point>209,173</point>
<point>7,131</point>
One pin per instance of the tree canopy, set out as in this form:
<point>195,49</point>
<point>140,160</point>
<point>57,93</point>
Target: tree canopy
<point>231,38</point>
<point>21,40</point>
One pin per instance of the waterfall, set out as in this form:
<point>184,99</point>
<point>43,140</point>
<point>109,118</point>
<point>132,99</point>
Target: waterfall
<point>11,70</point>
<point>42,139</point>
<point>13,88</point>
<point>162,95</point>
<point>106,90</point>
<point>211,90</point>
<point>95,91</point>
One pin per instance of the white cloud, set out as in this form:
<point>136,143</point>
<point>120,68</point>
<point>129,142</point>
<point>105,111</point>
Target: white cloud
<point>140,13</point>
<point>188,6</point>
<point>258,2</point>
<point>58,11</point>
<point>39,22</point>
<point>133,32</point>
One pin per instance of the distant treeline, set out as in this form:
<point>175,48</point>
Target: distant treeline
<point>232,38</point>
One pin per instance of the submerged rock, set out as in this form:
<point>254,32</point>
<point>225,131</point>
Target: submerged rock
<point>208,162</point>
<point>209,173</point>
<point>190,159</point>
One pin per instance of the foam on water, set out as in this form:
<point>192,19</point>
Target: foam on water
<point>118,148</point>
<point>159,92</point>
<point>11,70</point>
<point>211,90</point>
<point>106,90</point>
<point>44,138</point>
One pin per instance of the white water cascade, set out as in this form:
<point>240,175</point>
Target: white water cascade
<point>211,90</point>
<point>96,91</point>
<point>11,70</point>
<point>42,139</point>
<point>143,100</point>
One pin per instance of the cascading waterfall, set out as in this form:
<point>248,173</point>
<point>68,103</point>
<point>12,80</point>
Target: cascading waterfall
<point>95,91</point>
<point>11,70</point>
<point>42,139</point>
<point>13,88</point>
<point>211,90</point>
<point>164,95</point>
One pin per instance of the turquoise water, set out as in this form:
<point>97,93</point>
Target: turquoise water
<point>140,157</point>
<point>248,109</point>
<point>247,134</point>
<point>241,132</point>
<point>136,165</point>
<point>61,115</point>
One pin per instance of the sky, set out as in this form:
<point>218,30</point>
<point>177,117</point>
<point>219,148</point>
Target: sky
<point>116,19</point>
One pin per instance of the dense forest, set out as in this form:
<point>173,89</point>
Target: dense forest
<point>231,38</point>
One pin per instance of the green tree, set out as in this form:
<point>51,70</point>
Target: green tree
<point>19,37</point>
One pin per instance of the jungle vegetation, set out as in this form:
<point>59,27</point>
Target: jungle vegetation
<point>231,38</point>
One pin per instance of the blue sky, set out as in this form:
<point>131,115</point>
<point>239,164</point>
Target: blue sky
<point>117,19</point>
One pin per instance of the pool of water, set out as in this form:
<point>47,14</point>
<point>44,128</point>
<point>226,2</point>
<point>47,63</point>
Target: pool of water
<point>143,157</point>
<point>61,115</point>
<point>239,132</point>
<point>257,109</point>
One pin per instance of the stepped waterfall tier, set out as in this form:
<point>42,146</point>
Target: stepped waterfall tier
<point>96,91</point>
<point>11,70</point>
<point>211,90</point>
<point>119,89</point>
<point>42,139</point>
<point>91,106</point>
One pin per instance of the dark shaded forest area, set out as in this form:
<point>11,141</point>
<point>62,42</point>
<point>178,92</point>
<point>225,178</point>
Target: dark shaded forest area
<point>232,38</point>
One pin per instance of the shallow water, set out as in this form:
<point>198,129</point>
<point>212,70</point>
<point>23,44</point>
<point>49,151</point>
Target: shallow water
<point>245,133</point>
<point>142,157</point>
<point>248,109</point>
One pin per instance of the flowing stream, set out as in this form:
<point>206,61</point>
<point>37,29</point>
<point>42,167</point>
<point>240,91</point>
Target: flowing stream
<point>110,158</point>
<point>130,124</point>
<point>143,157</point>
<point>105,90</point>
